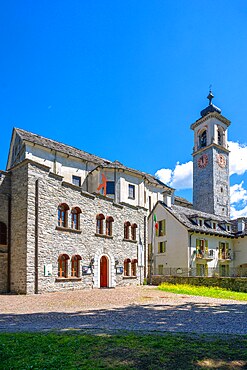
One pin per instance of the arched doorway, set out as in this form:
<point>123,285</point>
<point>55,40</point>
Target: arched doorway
<point>104,272</point>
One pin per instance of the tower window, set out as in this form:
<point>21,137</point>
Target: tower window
<point>221,189</point>
<point>220,137</point>
<point>203,139</point>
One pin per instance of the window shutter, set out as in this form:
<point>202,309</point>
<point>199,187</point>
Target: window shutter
<point>197,244</point>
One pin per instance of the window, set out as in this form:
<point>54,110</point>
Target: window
<point>127,267</point>
<point>134,267</point>
<point>133,231</point>
<point>201,248</point>
<point>200,222</point>
<point>99,223</point>
<point>203,139</point>
<point>130,267</point>
<point>76,180</point>
<point>161,247</point>
<point>109,221</point>
<point>63,215</point>
<point>75,218</point>
<point>224,270</point>
<point>63,265</point>
<point>162,228</point>
<point>110,187</point>
<point>3,233</point>
<point>160,269</point>
<point>150,203</point>
<point>75,265</point>
<point>224,251</point>
<point>126,230</point>
<point>214,225</point>
<point>131,191</point>
<point>220,137</point>
<point>201,269</point>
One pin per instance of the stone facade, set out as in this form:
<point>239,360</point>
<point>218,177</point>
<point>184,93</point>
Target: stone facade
<point>38,190</point>
<point>211,189</point>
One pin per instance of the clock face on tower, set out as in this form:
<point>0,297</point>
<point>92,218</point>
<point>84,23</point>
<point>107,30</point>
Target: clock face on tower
<point>221,159</point>
<point>202,161</point>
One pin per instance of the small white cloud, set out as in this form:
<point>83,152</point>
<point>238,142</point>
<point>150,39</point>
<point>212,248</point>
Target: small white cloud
<point>238,197</point>
<point>238,213</point>
<point>238,193</point>
<point>179,178</point>
<point>237,158</point>
<point>164,175</point>
<point>182,177</point>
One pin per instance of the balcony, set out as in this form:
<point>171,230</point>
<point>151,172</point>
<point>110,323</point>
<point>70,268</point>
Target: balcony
<point>200,254</point>
<point>225,256</point>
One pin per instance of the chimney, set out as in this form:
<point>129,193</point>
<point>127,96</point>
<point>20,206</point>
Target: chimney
<point>241,225</point>
<point>168,200</point>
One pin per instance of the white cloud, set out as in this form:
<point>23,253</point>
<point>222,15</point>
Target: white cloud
<point>164,175</point>
<point>238,200</point>
<point>179,178</point>
<point>238,193</point>
<point>237,158</point>
<point>182,177</point>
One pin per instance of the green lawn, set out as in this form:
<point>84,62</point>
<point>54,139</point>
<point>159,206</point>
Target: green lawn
<point>122,351</point>
<point>213,292</point>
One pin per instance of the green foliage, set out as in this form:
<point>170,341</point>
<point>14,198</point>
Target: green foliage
<point>122,351</point>
<point>205,291</point>
<point>234,284</point>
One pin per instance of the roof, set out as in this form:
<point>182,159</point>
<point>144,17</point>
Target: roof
<point>185,216</point>
<point>77,153</point>
<point>182,201</point>
<point>149,178</point>
<point>60,147</point>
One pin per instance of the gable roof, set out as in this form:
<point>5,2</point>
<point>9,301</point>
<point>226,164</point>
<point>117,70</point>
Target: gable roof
<point>60,147</point>
<point>185,215</point>
<point>149,178</point>
<point>80,154</point>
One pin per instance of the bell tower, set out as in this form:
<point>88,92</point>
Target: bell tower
<point>211,190</point>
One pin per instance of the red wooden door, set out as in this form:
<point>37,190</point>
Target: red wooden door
<point>103,272</point>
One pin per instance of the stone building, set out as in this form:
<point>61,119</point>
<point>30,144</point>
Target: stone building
<point>71,220</point>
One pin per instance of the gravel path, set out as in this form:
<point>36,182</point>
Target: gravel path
<point>123,308</point>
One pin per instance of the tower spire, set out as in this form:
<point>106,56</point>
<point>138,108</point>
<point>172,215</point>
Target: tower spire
<point>211,107</point>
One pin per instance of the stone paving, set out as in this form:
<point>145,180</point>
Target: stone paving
<point>123,308</point>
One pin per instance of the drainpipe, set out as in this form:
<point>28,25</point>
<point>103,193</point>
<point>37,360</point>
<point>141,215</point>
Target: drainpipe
<point>115,184</point>
<point>145,247</point>
<point>36,251</point>
<point>87,176</point>
<point>9,246</point>
<point>190,249</point>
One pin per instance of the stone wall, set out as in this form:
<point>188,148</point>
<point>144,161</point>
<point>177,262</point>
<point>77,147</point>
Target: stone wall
<point>53,241</point>
<point>19,194</point>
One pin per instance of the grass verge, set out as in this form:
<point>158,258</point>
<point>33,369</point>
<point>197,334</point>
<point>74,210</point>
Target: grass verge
<point>121,351</point>
<point>213,292</point>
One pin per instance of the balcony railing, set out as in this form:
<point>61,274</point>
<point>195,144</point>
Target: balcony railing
<point>225,256</point>
<point>205,255</point>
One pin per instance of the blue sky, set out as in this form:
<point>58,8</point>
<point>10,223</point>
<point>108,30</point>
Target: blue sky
<point>124,79</point>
